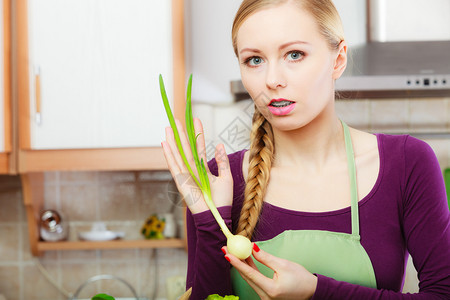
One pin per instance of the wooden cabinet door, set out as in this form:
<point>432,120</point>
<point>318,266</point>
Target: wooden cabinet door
<point>93,70</point>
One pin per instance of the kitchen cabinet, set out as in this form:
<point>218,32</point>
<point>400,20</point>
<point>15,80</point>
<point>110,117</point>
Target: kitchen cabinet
<point>6,155</point>
<point>88,91</point>
<point>88,94</point>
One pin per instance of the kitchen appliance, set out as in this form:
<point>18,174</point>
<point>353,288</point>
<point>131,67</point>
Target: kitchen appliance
<point>396,69</point>
<point>407,53</point>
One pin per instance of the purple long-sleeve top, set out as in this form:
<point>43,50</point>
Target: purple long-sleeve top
<point>405,212</point>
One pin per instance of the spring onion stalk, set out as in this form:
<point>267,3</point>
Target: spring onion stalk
<point>238,245</point>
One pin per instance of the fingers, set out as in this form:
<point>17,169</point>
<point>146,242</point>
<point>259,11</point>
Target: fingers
<point>270,261</point>
<point>222,161</point>
<point>170,159</point>
<point>249,261</point>
<point>185,144</point>
<point>250,273</point>
<point>201,146</point>
<point>171,151</point>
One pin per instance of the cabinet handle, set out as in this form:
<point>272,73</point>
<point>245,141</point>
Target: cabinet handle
<point>37,82</point>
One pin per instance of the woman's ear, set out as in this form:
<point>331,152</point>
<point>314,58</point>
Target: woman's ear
<point>341,60</point>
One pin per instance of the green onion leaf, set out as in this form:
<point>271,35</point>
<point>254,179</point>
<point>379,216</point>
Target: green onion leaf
<point>174,127</point>
<point>241,246</point>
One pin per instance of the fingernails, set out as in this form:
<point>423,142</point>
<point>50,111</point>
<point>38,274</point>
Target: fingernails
<point>255,247</point>
<point>223,250</point>
<point>227,258</point>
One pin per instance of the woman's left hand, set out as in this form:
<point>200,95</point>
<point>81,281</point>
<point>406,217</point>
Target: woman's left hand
<point>290,280</point>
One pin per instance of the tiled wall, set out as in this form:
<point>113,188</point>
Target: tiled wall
<point>230,124</point>
<point>124,199</point>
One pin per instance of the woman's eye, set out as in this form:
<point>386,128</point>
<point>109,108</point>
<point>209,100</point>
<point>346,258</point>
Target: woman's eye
<point>253,61</point>
<point>295,55</point>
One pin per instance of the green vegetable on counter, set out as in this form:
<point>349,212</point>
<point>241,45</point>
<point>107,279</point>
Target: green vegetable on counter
<point>102,297</point>
<point>238,245</point>
<point>217,297</point>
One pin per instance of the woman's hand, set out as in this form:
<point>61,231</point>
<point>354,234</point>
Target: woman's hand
<point>221,186</point>
<point>290,280</point>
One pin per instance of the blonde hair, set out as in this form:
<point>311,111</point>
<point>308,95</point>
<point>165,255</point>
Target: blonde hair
<point>262,148</point>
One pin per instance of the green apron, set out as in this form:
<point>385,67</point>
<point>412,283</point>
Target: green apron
<point>333,254</point>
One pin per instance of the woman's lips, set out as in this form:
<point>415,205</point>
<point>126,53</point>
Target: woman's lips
<point>283,110</point>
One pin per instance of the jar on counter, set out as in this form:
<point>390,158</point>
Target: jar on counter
<point>52,227</point>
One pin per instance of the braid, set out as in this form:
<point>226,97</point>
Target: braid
<point>261,157</point>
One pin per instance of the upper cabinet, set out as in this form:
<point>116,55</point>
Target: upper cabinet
<point>414,20</point>
<point>88,74</point>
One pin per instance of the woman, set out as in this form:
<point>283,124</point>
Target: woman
<point>333,211</point>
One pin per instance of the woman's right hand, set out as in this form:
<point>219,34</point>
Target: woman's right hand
<point>221,186</point>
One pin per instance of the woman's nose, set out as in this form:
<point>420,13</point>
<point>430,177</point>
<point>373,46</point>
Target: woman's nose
<point>275,78</point>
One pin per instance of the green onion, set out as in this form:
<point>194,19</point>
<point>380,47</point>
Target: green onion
<point>238,245</point>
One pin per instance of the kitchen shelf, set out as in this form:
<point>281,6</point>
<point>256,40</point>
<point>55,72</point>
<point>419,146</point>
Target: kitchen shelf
<point>115,244</point>
<point>33,196</point>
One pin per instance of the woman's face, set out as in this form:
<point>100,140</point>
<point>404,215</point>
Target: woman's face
<point>287,66</point>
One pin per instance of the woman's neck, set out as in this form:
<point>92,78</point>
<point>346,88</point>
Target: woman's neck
<point>311,147</point>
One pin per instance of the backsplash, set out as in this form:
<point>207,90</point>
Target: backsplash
<point>123,200</point>
<point>231,124</point>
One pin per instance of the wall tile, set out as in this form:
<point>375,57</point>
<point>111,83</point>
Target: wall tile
<point>40,288</point>
<point>428,114</point>
<point>78,177</point>
<point>10,282</point>
<point>155,197</point>
<point>162,176</point>
<point>87,256</point>
<point>389,115</point>
<point>124,270</point>
<point>441,148</point>
<point>118,254</point>
<point>132,229</point>
<point>171,262</point>
<point>79,202</point>
<point>52,197</point>
<point>9,242</point>
<point>233,125</point>
<point>356,113</point>
<point>147,276</point>
<point>116,177</point>
<point>51,178</point>
<point>447,100</point>
<point>411,281</point>
<point>117,201</point>
<point>73,275</point>
<point>205,113</point>
<point>10,201</point>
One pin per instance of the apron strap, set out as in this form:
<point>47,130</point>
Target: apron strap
<point>352,177</point>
